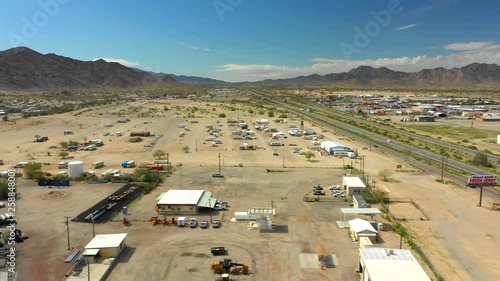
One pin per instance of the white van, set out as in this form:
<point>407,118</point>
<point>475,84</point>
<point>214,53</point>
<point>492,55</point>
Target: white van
<point>275,143</point>
<point>210,138</point>
<point>181,221</point>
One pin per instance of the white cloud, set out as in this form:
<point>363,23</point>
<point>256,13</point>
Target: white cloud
<point>207,50</point>
<point>194,47</point>
<point>405,27</point>
<point>468,46</point>
<point>120,61</point>
<point>255,72</point>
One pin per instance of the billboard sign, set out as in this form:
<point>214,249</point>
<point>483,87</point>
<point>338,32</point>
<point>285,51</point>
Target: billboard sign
<point>481,180</point>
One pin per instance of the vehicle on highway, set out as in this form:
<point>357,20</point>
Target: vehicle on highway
<point>193,222</point>
<point>204,223</point>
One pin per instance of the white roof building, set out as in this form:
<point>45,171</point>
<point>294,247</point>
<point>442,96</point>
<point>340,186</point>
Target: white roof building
<point>331,146</point>
<point>381,264</point>
<point>181,197</point>
<point>362,227</point>
<point>103,241</point>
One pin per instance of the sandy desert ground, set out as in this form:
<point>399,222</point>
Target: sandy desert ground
<point>460,238</point>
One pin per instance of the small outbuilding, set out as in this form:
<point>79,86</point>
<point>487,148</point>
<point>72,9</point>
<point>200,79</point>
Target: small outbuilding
<point>105,245</point>
<point>362,228</point>
<point>382,264</point>
<point>353,185</point>
<point>358,201</point>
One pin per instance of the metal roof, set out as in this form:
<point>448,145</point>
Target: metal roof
<point>106,241</point>
<point>331,144</point>
<point>360,225</point>
<point>207,201</point>
<point>363,211</point>
<point>181,197</point>
<point>353,182</point>
<point>383,264</point>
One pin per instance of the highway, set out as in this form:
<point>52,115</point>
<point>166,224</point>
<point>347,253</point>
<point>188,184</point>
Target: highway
<point>395,148</point>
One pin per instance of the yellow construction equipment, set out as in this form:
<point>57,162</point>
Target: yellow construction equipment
<point>228,266</point>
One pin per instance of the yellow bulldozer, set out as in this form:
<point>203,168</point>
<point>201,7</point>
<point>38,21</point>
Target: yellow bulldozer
<point>228,266</point>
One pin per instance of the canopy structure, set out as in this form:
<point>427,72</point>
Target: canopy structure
<point>360,211</point>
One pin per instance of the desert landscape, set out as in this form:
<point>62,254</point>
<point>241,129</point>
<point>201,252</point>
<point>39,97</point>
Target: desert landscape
<point>268,176</point>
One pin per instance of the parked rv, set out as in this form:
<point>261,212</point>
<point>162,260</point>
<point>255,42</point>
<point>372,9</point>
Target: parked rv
<point>98,164</point>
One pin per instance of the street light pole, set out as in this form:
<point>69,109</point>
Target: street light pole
<point>210,207</point>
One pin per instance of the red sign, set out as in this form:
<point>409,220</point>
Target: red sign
<point>478,180</point>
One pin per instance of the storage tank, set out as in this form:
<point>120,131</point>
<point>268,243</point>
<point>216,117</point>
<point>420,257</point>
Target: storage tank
<point>75,169</point>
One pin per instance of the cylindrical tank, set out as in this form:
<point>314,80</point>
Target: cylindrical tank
<point>75,169</point>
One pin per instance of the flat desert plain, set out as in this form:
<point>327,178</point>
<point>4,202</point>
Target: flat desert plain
<point>460,239</point>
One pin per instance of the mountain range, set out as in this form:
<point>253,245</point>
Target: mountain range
<point>471,75</point>
<point>23,69</point>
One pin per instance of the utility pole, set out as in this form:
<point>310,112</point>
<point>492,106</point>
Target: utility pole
<point>181,175</point>
<point>219,163</point>
<point>168,162</point>
<point>88,269</point>
<point>283,160</point>
<point>210,207</point>
<point>67,231</point>
<point>442,168</point>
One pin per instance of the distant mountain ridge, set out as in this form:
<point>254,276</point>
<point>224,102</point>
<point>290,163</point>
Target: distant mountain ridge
<point>185,79</point>
<point>23,68</point>
<point>472,74</point>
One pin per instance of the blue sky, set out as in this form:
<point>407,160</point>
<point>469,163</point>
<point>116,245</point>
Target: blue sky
<point>248,40</point>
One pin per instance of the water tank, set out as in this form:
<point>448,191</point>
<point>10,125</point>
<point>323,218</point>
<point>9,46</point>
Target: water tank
<point>75,169</point>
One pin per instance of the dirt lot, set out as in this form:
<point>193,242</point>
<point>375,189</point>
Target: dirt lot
<point>449,238</point>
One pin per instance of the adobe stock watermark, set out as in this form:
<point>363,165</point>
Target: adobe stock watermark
<point>31,26</point>
<point>362,38</point>
<point>223,6</point>
<point>11,212</point>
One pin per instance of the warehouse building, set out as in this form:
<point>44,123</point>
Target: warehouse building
<point>184,202</point>
<point>353,185</point>
<point>381,264</point>
<point>331,147</point>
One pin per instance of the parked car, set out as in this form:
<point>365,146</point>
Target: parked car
<point>216,251</point>
<point>216,223</point>
<point>204,223</point>
<point>193,222</point>
<point>334,187</point>
<point>217,175</point>
<point>296,150</point>
<point>318,187</point>
<point>338,194</point>
<point>318,192</point>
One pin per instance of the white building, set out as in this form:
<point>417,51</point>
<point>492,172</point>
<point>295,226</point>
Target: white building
<point>358,201</point>
<point>362,228</point>
<point>353,185</point>
<point>187,202</point>
<point>381,264</point>
<point>331,147</point>
<point>105,245</point>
